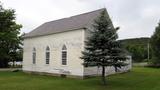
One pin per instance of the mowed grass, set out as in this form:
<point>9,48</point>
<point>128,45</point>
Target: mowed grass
<point>138,79</point>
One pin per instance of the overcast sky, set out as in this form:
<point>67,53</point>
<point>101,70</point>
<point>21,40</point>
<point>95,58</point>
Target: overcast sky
<point>136,18</point>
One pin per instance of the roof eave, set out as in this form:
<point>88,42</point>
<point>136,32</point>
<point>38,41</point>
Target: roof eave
<point>25,37</point>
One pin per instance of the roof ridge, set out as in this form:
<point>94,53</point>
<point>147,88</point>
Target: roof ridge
<point>77,15</point>
<point>88,12</point>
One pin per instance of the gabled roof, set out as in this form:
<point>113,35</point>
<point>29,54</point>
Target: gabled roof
<point>72,23</point>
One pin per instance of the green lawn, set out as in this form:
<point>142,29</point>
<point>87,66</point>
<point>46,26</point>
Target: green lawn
<point>138,79</point>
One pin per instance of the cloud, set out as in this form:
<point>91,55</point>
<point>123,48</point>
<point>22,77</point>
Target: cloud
<point>136,18</point>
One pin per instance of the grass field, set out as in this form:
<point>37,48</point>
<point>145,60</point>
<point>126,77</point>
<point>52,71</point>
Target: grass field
<point>138,79</point>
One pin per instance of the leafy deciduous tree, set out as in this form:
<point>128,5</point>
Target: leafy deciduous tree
<point>9,35</point>
<point>155,44</point>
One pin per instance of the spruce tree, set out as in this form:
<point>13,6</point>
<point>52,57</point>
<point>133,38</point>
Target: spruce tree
<point>102,49</point>
<point>155,45</point>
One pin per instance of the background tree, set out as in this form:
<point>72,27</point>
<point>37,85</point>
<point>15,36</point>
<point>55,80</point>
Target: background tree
<point>102,49</point>
<point>9,35</point>
<point>155,44</point>
<point>138,48</point>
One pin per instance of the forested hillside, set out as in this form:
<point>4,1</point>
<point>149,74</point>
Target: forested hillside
<point>137,47</point>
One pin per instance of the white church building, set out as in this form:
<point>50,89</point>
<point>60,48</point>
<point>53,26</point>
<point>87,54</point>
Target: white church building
<point>55,47</point>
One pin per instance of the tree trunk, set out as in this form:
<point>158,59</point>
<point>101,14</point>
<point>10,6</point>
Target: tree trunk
<point>103,75</point>
<point>116,69</point>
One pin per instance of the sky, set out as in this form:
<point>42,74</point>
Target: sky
<point>136,18</point>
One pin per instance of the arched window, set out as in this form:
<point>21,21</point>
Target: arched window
<point>64,55</point>
<point>34,56</point>
<point>47,55</point>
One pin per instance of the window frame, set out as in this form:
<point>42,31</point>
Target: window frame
<point>64,55</point>
<point>47,55</point>
<point>34,56</point>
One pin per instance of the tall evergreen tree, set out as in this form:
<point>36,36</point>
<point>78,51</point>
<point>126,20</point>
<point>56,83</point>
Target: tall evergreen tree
<point>9,35</point>
<point>102,49</point>
<point>155,44</point>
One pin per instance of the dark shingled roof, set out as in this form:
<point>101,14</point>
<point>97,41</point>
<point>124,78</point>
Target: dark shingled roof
<point>66,24</point>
